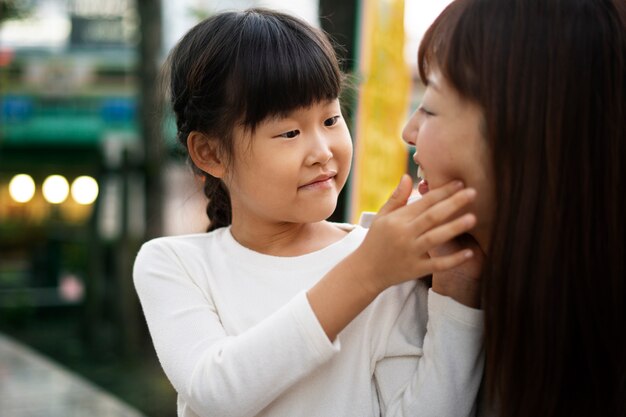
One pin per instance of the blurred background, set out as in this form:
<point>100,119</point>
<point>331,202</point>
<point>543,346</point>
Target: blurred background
<point>89,170</point>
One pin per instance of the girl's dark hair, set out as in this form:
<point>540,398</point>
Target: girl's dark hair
<point>550,78</point>
<point>239,68</point>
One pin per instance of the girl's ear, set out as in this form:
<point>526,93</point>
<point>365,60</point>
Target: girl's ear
<point>204,152</point>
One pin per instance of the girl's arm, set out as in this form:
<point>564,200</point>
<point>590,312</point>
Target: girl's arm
<point>438,372</point>
<point>394,251</point>
<point>218,374</point>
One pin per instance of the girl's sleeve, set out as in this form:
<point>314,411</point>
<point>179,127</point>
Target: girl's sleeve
<point>212,372</point>
<point>439,377</point>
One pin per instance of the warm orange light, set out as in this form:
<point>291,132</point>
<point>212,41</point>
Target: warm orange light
<point>55,189</point>
<point>22,188</point>
<point>84,190</point>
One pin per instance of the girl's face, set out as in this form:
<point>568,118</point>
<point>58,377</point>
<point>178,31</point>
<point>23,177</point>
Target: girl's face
<point>292,168</point>
<point>449,145</point>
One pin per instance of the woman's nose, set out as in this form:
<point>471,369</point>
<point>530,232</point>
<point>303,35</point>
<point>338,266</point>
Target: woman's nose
<point>409,133</point>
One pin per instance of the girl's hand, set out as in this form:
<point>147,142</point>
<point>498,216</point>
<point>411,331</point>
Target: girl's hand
<point>397,245</point>
<point>395,250</point>
<point>463,281</point>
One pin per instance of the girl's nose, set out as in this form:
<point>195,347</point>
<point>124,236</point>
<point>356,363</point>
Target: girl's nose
<point>320,152</point>
<point>409,133</point>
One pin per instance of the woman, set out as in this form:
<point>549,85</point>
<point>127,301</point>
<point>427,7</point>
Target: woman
<point>526,102</point>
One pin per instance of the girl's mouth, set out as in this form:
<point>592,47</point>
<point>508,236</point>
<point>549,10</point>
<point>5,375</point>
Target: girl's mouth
<point>321,181</point>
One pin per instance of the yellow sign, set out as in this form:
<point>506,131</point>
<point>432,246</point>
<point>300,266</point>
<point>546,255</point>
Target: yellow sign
<point>380,156</point>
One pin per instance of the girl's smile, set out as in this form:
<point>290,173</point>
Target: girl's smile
<point>323,181</point>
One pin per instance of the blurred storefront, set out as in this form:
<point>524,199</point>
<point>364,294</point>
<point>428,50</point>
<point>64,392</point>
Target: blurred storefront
<point>68,136</point>
<point>72,205</point>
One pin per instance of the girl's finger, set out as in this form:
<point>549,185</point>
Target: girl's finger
<point>441,211</point>
<point>441,234</point>
<point>399,196</point>
<point>443,263</point>
<point>436,195</point>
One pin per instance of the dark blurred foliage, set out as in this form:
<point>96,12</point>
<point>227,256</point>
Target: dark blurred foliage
<point>14,9</point>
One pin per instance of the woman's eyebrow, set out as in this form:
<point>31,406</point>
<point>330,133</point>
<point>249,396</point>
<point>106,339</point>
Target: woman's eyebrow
<point>432,83</point>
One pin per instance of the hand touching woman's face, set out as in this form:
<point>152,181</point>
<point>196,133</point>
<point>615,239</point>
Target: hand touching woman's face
<point>449,144</point>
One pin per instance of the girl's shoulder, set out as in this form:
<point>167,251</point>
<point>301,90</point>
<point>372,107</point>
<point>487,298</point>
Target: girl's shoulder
<point>347,227</point>
<point>355,233</point>
<point>187,243</point>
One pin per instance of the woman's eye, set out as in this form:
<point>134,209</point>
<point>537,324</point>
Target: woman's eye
<point>289,135</point>
<point>331,121</point>
<point>424,111</point>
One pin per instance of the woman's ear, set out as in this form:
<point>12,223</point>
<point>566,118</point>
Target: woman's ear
<point>204,152</point>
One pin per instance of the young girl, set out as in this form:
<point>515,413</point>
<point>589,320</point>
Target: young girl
<point>276,312</point>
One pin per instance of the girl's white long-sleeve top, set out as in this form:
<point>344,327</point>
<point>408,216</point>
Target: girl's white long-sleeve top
<point>236,336</point>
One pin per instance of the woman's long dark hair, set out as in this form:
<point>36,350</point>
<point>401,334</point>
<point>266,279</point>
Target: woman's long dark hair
<point>550,76</point>
<point>239,68</point>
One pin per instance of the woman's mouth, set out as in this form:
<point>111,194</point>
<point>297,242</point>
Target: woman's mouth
<point>422,186</point>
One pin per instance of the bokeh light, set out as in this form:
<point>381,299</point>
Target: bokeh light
<point>84,190</point>
<point>55,189</point>
<point>22,188</point>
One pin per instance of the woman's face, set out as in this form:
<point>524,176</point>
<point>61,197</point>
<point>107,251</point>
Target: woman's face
<point>449,145</point>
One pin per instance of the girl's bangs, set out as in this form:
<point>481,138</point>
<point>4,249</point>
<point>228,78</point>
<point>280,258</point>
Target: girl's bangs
<point>281,67</point>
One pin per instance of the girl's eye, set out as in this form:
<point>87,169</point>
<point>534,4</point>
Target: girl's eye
<point>424,111</point>
<point>290,135</point>
<point>331,121</point>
